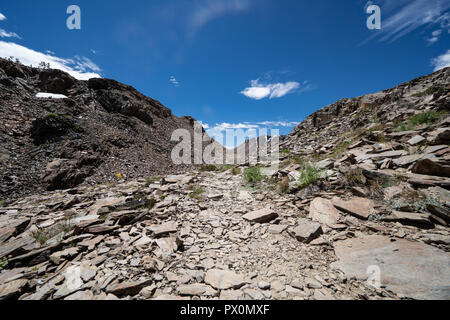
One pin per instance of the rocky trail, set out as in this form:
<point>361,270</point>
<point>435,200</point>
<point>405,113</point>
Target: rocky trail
<point>228,241</point>
<point>358,206</point>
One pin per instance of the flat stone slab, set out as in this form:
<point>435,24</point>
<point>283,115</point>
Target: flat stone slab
<point>361,208</point>
<point>261,216</point>
<point>223,279</point>
<point>413,269</point>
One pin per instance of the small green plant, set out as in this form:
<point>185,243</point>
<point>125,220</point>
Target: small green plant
<point>341,148</point>
<point>285,151</point>
<point>3,263</point>
<point>41,236</point>
<point>236,171</point>
<point>149,203</point>
<point>283,186</point>
<point>52,116</point>
<point>355,177</point>
<point>427,117</point>
<point>299,160</point>
<point>208,168</point>
<point>2,203</point>
<point>253,175</point>
<point>435,89</point>
<point>197,194</point>
<point>149,181</point>
<point>224,168</point>
<point>309,175</point>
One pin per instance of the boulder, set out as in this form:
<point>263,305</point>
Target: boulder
<point>306,231</point>
<point>322,210</point>
<point>413,269</point>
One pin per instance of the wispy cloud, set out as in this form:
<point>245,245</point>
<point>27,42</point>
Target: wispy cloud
<point>6,34</point>
<point>207,11</point>
<point>260,91</point>
<point>400,17</point>
<point>174,81</point>
<point>435,35</point>
<point>78,67</point>
<point>442,61</point>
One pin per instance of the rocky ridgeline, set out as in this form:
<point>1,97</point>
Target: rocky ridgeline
<point>361,192</point>
<point>102,128</point>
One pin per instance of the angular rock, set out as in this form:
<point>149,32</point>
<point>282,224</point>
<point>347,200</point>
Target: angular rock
<point>413,269</point>
<point>12,289</point>
<point>197,290</point>
<point>413,219</point>
<point>306,231</point>
<point>261,216</point>
<point>361,208</point>
<point>128,288</point>
<point>164,229</point>
<point>428,167</point>
<point>223,279</point>
<point>416,140</point>
<point>322,211</point>
<point>81,296</point>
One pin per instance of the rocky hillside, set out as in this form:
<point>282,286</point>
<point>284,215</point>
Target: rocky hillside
<point>359,209</point>
<point>102,128</point>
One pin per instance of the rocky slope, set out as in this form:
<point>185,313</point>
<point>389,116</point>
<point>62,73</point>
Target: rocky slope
<point>101,129</point>
<point>359,209</point>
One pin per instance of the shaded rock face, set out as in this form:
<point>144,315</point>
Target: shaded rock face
<point>103,128</point>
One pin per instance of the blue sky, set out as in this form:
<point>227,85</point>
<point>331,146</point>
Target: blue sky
<point>235,63</point>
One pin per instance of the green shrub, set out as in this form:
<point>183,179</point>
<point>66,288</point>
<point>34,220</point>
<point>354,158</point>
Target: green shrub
<point>235,171</point>
<point>436,89</point>
<point>283,186</point>
<point>253,175</point>
<point>197,194</point>
<point>3,263</point>
<point>208,168</point>
<point>309,175</point>
<point>427,117</point>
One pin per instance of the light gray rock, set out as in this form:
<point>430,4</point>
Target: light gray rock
<point>413,269</point>
<point>306,231</point>
<point>224,279</point>
<point>261,216</point>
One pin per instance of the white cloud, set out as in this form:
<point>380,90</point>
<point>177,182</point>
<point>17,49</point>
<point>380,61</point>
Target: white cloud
<point>80,68</point>
<point>260,91</point>
<point>6,34</point>
<point>174,81</point>
<point>250,130</point>
<point>442,61</point>
<point>279,123</point>
<point>435,35</point>
<point>400,17</point>
<point>208,11</point>
<point>2,17</point>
